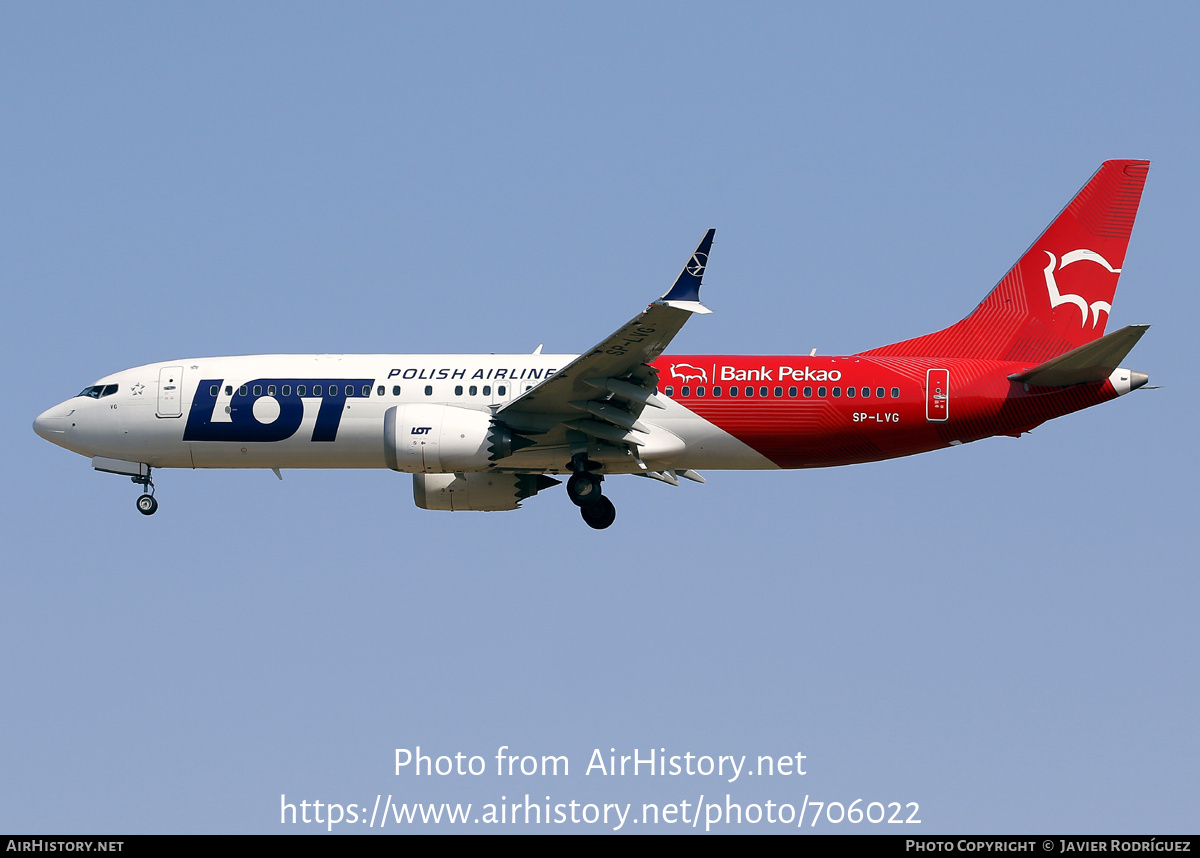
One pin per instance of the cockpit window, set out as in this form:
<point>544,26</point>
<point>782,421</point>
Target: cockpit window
<point>98,391</point>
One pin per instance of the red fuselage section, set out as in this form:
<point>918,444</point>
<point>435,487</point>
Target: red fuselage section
<point>810,412</point>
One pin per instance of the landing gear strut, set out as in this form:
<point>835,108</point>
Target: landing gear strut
<point>583,488</point>
<point>146,504</point>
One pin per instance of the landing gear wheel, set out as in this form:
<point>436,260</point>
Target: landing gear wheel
<point>583,489</point>
<point>599,514</point>
<point>147,505</point>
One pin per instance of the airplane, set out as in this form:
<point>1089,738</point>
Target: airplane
<point>486,432</point>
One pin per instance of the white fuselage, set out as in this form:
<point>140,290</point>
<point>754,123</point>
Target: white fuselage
<point>277,411</point>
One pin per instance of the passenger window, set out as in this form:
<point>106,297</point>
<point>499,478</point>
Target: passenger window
<point>821,391</point>
<point>487,390</point>
<point>212,391</point>
<point>792,392</point>
<point>395,390</point>
<point>837,393</point>
<point>879,392</point>
<point>850,392</point>
<point>242,390</point>
<point>458,390</point>
<point>670,391</point>
<point>749,391</point>
<point>271,390</point>
<point>429,390</point>
<point>473,390</point>
<point>699,391</point>
<point>685,391</point>
<point>301,389</point>
<point>779,391</point>
<point>366,390</point>
<point>316,390</point>
<point>379,391</point>
<point>866,391</point>
<point>500,390</point>
<point>733,391</point>
<point>807,392</point>
<point>716,391</point>
<point>287,390</point>
<point>895,393</point>
<point>229,390</point>
<point>258,390</point>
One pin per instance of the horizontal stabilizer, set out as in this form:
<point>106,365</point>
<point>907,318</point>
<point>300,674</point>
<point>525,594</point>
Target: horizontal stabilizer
<point>1094,361</point>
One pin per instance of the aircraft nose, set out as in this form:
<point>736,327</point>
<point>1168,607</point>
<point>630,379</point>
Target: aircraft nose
<point>52,424</point>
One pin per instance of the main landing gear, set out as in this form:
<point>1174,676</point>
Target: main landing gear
<point>583,488</point>
<point>146,503</point>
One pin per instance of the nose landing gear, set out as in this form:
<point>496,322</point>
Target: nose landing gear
<point>146,504</point>
<point>583,488</point>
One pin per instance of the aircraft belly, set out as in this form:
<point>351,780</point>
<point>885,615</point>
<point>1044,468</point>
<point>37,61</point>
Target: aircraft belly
<point>707,445</point>
<point>678,440</point>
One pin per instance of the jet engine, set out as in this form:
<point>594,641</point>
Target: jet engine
<point>479,492</point>
<point>440,439</point>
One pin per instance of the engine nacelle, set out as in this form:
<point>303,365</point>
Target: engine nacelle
<point>438,439</point>
<point>480,492</point>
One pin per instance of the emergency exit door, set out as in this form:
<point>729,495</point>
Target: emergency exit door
<point>937,395</point>
<point>170,381</point>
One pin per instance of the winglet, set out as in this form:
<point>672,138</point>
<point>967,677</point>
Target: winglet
<point>685,294</point>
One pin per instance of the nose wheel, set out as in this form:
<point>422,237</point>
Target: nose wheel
<point>146,504</point>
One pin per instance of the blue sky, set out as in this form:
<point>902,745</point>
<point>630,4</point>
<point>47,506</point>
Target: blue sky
<point>1004,632</point>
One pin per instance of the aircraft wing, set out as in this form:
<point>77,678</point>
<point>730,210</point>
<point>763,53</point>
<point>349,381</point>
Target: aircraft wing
<point>599,396</point>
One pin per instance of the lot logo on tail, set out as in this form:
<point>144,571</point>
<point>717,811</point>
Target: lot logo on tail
<point>696,264</point>
<point>1056,298</point>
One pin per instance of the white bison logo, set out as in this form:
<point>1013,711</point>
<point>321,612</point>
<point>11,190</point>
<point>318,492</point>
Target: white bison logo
<point>689,372</point>
<point>1052,286</point>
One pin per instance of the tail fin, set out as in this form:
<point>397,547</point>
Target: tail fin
<point>1058,295</point>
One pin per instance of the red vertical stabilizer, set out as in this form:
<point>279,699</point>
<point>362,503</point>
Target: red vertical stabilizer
<point>1059,294</point>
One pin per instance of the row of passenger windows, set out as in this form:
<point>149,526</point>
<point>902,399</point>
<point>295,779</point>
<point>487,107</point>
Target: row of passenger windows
<point>474,391</point>
<point>98,391</point>
<point>851,392</point>
<point>317,390</point>
<point>301,390</point>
